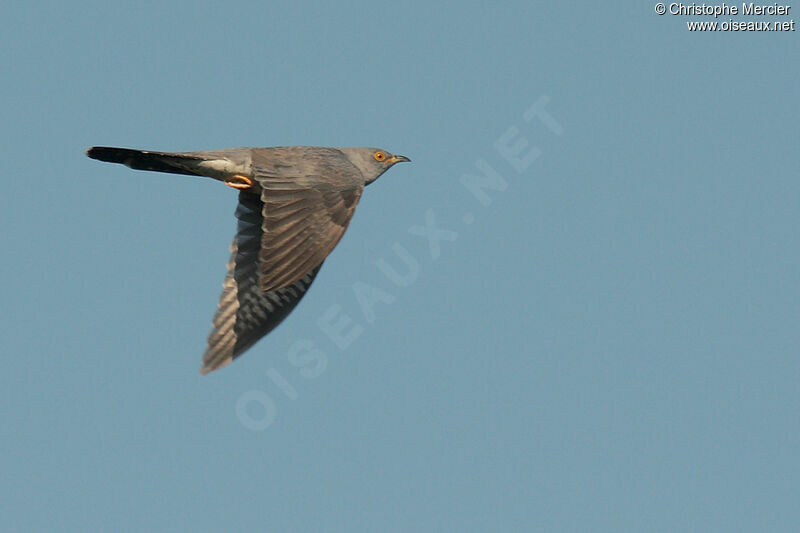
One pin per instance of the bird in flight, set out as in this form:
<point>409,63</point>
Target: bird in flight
<point>295,203</point>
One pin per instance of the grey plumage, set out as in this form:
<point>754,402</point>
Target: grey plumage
<point>295,204</point>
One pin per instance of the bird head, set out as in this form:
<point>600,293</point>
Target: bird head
<point>372,162</point>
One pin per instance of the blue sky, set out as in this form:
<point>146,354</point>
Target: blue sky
<point>604,341</point>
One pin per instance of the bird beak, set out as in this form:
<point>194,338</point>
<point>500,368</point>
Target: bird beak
<point>399,159</point>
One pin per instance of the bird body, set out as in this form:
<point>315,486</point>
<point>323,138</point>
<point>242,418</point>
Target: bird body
<point>295,203</point>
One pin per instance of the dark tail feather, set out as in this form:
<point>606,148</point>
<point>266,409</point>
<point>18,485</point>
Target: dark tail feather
<point>144,160</point>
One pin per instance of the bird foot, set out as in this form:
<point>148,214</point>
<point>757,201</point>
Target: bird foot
<point>239,181</point>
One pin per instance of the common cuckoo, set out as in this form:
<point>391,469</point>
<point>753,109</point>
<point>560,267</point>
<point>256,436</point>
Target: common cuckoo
<point>295,203</point>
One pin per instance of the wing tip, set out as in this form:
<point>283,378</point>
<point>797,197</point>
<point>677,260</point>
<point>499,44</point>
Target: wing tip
<point>211,366</point>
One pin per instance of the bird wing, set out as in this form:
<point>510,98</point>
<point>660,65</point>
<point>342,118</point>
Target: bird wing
<point>304,219</point>
<point>245,312</point>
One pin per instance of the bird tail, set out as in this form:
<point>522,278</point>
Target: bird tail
<point>174,163</point>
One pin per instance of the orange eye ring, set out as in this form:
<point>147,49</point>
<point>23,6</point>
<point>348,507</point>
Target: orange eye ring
<point>379,156</point>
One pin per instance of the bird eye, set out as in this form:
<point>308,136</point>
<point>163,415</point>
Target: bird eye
<point>379,156</point>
